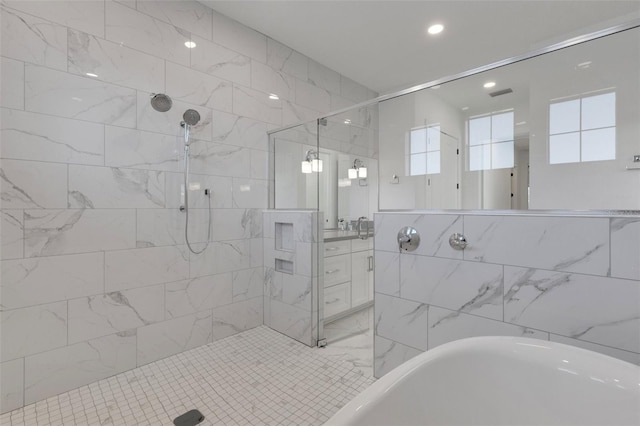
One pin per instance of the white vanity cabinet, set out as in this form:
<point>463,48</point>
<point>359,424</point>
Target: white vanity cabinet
<point>348,275</point>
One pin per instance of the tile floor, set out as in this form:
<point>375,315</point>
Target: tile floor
<point>258,377</point>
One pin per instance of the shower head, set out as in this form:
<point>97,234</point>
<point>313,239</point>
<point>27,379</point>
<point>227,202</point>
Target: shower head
<point>191,117</point>
<point>161,102</point>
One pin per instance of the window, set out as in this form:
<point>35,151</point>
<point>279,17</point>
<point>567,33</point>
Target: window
<point>424,151</point>
<point>583,129</point>
<point>491,141</point>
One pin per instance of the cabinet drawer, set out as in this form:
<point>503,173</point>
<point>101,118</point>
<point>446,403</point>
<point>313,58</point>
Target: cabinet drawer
<point>337,269</point>
<point>336,248</point>
<point>362,245</point>
<point>337,299</point>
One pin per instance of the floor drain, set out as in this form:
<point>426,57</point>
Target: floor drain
<point>190,418</point>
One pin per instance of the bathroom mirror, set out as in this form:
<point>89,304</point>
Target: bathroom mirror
<point>340,177</point>
<point>559,131</point>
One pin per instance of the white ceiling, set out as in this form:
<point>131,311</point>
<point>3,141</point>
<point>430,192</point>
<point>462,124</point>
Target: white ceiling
<point>384,45</point>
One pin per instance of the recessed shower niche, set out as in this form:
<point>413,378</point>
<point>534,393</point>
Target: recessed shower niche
<point>284,236</point>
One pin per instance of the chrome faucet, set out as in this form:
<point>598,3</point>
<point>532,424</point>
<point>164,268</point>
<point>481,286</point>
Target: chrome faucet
<point>359,227</point>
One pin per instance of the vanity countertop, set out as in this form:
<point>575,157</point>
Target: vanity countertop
<point>338,235</point>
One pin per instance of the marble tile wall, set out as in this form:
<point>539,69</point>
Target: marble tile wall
<point>95,274</point>
<point>290,290</point>
<point>570,279</point>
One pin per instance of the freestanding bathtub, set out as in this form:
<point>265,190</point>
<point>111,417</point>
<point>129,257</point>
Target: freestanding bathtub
<point>501,381</point>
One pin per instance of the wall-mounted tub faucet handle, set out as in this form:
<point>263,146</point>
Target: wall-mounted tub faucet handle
<point>458,241</point>
<point>408,239</point>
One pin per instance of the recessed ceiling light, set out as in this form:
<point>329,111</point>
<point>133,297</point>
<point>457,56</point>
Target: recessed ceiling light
<point>584,65</point>
<point>90,74</point>
<point>190,44</point>
<point>465,108</point>
<point>274,97</point>
<point>489,84</point>
<point>521,123</point>
<point>435,29</point>
<point>347,121</point>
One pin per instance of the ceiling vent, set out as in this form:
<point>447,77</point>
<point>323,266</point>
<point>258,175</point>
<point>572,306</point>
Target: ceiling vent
<point>500,92</point>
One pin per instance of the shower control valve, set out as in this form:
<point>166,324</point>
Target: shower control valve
<point>408,239</point>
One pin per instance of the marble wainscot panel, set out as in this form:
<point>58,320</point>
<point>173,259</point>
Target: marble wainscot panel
<point>565,278</point>
<point>12,384</point>
<point>11,234</point>
<point>231,319</point>
<point>11,83</point>
<point>291,272</point>
<point>22,185</point>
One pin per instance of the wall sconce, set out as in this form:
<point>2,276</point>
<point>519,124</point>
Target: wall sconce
<point>359,170</point>
<point>311,162</point>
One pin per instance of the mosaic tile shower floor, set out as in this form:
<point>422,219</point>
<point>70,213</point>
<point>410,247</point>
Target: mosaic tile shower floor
<point>258,377</point>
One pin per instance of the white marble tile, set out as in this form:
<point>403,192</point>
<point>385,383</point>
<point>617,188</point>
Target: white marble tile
<point>235,224</point>
<point>29,136</point>
<point>250,193</point>
<point>110,187</point>
<point>198,88</point>
<point>247,284</point>
<point>218,159</point>
<point>259,164</point>
<point>11,385</point>
<point>293,113</point>
<point>556,243</point>
<point>232,319</point>
<point>268,80</point>
<point>220,191</point>
<point>169,122</point>
<point>198,294</point>
<point>105,314</point>
<point>189,15</point>
<point>57,371</point>
<point>631,357</point>
<point>625,248</point>
<point>142,32</point>
<point>291,321</point>
<point>35,329</point>
<point>257,252</point>
<point>65,95</point>
<point>323,77</point>
<point>54,232</point>
<point>165,227</point>
<point>221,62</point>
<point>87,16</point>
<point>12,84</point>
<point>31,39</point>
<point>287,60</point>
<point>230,129</point>
<point>354,91</point>
<point>311,96</point>
<point>447,326</point>
<point>387,273</point>
<point>136,149</point>
<point>240,38</point>
<point>389,354</point>
<point>11,234</point>
<point>404,321</point>
<point>22,185</point>
<point>220,257</point>
<point>290,289</point>
<point>114,62</point>
<point>434,231</point>
<point>257,105</point>
<point>596,309</point>
<point>28,282</point>
<point>453,284</point>
<point>339,102</point>
<point>127,269</point>
<point>157,341</point>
